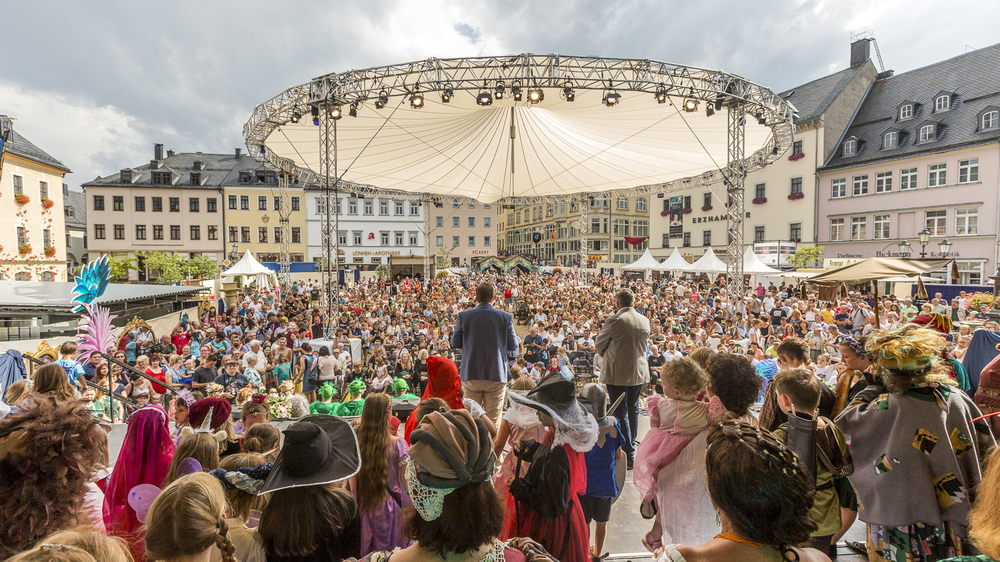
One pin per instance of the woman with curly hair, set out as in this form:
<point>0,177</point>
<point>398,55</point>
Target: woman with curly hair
<point>379,488</point>
<point>915,481</point>
<point>763,499</point>
<point>48,453</point>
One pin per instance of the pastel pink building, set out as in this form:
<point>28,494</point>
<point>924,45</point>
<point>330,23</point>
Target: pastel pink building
<point>922,154</point>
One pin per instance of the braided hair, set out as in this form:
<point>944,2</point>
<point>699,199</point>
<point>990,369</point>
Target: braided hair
<point>186,519</point>
<point>758,483</point>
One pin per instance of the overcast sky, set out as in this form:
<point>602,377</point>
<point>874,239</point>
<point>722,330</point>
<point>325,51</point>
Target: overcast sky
<point>96,83</point>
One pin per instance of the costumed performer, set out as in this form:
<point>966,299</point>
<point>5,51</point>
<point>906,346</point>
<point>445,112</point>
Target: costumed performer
<point>443,382</point>
<point>519,423</point>
<point>353,403</point>
<point>326,405</point>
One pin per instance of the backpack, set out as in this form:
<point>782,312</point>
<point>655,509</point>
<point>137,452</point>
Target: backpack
<point>830,445</point>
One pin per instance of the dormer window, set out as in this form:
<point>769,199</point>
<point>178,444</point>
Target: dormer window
<point>928,133</point>
<point>246,177</point>
<point>890,139</point>
<point>942,103</point>
<point>989,120</point>
<point>195,178</point>
<point>850,147</point>
<point>161,178</point>
<point>126,176</point>
<point>906,111</point>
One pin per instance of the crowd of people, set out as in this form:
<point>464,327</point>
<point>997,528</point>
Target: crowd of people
<point>425,428</point>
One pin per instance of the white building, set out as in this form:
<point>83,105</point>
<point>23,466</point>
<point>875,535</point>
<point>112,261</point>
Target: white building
<point>372,230</point>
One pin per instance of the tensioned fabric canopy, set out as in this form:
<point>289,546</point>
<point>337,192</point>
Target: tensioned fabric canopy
<point>708,263</point>
<point>249,266</point>
<point>877,269</point>
<point>675,262</point>
<point>645,263</point>
<point>516,148</point>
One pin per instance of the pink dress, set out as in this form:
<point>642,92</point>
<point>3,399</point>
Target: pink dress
<point>524,426</point>
<point>674,423</point>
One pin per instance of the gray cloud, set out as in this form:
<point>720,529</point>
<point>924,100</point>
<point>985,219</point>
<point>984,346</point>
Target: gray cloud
<point>97,83</point>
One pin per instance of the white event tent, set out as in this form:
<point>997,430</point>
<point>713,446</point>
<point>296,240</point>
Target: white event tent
<point>708,263</point>
<point>645,263</point>
<point>753,266</point>
<point>675,263</point>
<point>248,266</point>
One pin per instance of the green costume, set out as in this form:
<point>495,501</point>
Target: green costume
<point>330,408</point>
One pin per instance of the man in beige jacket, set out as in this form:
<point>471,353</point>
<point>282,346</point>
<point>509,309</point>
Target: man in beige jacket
<point>624,369</point>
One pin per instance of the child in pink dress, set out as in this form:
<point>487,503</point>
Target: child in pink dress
<point>675,418</point>
<point>519,423</point>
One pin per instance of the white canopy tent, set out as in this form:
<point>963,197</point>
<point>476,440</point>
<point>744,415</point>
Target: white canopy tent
<point>645,263</point>
<point>753,266</point>
<point>248,266</point>
<point>708,263</point>
<point>675,263</point>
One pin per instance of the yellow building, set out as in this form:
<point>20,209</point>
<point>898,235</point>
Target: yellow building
<point>33,238</point>
<point>551,232</point>
<point>252,207</point>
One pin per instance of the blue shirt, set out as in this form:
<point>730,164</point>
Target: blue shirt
<point>73,370</point>
<point>601,461</point>
<point>130,351</point>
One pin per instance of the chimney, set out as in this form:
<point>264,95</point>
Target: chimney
<point>239,153</point>
<point>154,164</point>
<point>170,153</point>
<point>65,189</point>
<point>158,151</point>
<point>860,52</point>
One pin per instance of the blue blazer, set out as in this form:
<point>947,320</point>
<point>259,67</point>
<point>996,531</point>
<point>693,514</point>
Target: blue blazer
<point>485,335</point>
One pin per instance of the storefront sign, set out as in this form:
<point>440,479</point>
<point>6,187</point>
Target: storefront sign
<point>713,218</point>
<point>377,253</point>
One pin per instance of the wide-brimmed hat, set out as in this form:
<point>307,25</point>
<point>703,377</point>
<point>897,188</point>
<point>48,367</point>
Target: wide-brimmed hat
<point>556,397</point>
<point>318,450</point>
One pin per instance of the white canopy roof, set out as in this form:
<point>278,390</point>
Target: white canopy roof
<point>675,262</point>
<point>753,266</point>
<point>708,263</point>
<point>510,148</point>
<point>646,263</point>
<point>249,266</point>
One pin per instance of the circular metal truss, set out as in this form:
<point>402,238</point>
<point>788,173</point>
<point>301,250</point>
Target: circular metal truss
<point>556,75</point>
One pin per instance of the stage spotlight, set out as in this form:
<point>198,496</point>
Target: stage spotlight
<point>499,91</point>
<point>516,90</point>
<point>774,151</point>
<point>446,95</point>
<point>536,95</point>
<point>354,110</point>
<point>296,117</point>
<point>484,98</point>
<point>315,114</point>
<point>690,105</point>
<point>336,112</point>
<point>761,120</point>
<point>709,111</point>
<point>263,150</point>
<point>718,102</point>
<point>611,99</point>
<point>569,94</point>
<point>416,100</point>
<point>382,100</point>
<point>661,96</point>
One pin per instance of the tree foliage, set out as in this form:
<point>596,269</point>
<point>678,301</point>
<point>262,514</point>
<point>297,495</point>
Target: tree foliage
<point>805,254</point>
<point>166,268</point>
<point>120,266</point>
<point>203,267</point>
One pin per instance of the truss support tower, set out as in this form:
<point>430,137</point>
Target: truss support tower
<point>735,178</point>
<point>284,217</point>
<point>330,223</point>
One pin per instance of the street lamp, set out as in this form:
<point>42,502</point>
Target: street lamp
<point>904,247</point>
<point>945,247</point>
<point>925,237</point>
<point>236,252</point>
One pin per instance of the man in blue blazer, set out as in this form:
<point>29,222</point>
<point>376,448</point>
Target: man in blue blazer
<point>486,336</point>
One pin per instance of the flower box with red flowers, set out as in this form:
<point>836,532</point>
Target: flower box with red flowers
<point>47,203</point>
<point>664,213</point>
<point>796,196</point>
<point>706,208</point>
<point>686,211</point>
<point>50,251</point>
<point>24,249</point>
<point>21,199</point>
<point>687,244</point>
<point>796,156</point>
<point>796,240</point>
<point>759,201</point>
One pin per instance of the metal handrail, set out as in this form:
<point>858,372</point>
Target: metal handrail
<point>133,370</point>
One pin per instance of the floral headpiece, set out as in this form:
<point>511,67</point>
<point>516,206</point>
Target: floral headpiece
<point>186,395</point>
<point>856,347</point>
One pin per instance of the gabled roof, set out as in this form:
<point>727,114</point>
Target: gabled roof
<point>215,169</point>
<point>973,76</point>
<point>24,148</point>
<point>78,202</point>
<point>812,99</point>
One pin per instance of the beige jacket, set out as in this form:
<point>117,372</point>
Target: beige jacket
<point>622,346</point>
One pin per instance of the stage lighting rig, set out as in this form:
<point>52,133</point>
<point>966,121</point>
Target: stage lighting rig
<point>661,96</point>
<point>353,112</point>
<point>499,90</point>
<point>709,111</point>
<point>336,112</point>
<point>761,120</point>
<point>314,110</point>
<point>295,117</point>
<point>446,95</point>
<point>416,100</point>
<point>536,95</point>
<point>484,98</point>
<point>612,98</point>
<point>382,100</point>
<point>516,91</point>
<point>690,105</point>
<point>569,94</point>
